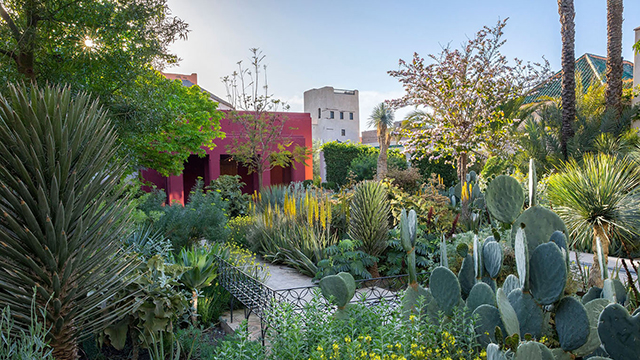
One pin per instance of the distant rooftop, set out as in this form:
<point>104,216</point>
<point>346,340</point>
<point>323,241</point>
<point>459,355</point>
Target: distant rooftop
<point>190,80</point>
<point>589,69</point>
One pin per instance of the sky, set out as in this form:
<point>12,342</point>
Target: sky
<point>351,44</point>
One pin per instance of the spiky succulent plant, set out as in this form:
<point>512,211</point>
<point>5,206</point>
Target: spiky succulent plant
<point>61,214</point>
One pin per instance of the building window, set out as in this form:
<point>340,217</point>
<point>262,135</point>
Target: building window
<point>341,115</point>
<point>319,113</point>
<point>350,116</point>
<point>343,132</point>
<point>331,115</point>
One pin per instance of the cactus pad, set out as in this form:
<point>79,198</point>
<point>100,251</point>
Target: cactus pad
<point>488,319</point>
<point>614,291</point>
<point>339,288</point>
<point>504,198</point>
<point>560,239</point>
<point>408,225</point>
<point>412,298</point>
<point>462,249</point>
<point>492,256</point>
<point>507,314</point>
<point>510,283</point>
<point>539,223</point>
<point>466,276</point>
<point>522,258</point>
<point>593,293</point>
<point>548,273</point>
<point>529,313</point>
<point>480,294</point>
<point>619,332</point>
<point>445,289</point>
<point>572,323</point>
<point>531,350</point>
<point>594,309</point>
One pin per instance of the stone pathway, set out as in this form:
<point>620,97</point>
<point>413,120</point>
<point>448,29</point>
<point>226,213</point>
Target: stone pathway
<point>614,262</point>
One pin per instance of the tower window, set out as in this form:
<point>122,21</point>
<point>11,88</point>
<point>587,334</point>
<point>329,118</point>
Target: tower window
<point>350,116</point>
<point>319,113</point>
<point>343,132</point>
<point>341,115</point>
<point>331,115</point>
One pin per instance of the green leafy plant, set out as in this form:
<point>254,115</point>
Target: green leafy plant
<point>20,344</point>
<point>369,220</point>
<point>62,216</point>
<point>345,257</point>
<point>230,189</point>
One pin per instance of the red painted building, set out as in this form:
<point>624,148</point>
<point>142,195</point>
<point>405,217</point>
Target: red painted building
<point>218,162</point>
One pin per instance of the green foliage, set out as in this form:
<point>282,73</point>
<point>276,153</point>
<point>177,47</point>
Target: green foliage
<point>230,189</point>
<point>24,344</point>
<point>493,167</point>
<point>203,217</point>
<point>364,166</point>
<point>62,217</point>
<point>602,192</point>
<point>310,334</point>
<point>238,228</point>
<point>147,243</point>
<point>197,341</point>
<point>393,261</point>
<point>185,122</point>
<point>441,166</point>
<point>345,257</point>
<point>338,157</point>
<point>369,218</point>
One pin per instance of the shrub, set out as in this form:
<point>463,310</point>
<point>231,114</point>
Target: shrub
<point>345,257</point>
<point>441,166</point>
<point>408,180</point>
<point>203,218</point>
<point>63,218</point>
<point>230,190</point>
<point>365,165</point>
<point>338,157</point>
<point>19,344</point>
<point>238,228</point>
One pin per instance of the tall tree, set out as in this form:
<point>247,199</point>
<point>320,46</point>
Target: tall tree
<point>568,97</point>
<point>382,119</point>
<point>464,90</point>
<point>262,143</point>
<point>109,49</point>
<point>614,55</point>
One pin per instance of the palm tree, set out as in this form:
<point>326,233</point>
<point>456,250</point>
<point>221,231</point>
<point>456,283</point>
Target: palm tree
<point>598,199</point>
<point>63,215</point>
<point>614,55</point>
<point>382,119</point>
<point>567,15</point>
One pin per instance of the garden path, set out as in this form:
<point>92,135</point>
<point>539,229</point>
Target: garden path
<point>586,259</point>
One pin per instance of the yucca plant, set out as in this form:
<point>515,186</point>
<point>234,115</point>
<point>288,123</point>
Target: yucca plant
<point>369,220</point>
<point>62,216</point>
<point>599,198</point>
<point>200,270</point>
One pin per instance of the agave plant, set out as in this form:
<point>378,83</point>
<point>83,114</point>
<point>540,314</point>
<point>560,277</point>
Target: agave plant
<point>598,199</point>
<point>369,220</point>
<point>61,218</point>
<point>200,270</point>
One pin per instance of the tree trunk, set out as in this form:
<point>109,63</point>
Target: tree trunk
<point>613,94</point>
<point>602,232</point>
<point>260,179</point>
<point>567,15</point>
<point>64,344</point>
<point>383,140</point>
<point>373,270</point>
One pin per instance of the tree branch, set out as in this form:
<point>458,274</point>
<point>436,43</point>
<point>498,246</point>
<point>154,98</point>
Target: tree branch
<point>10,54</point>
<point>12,26</point>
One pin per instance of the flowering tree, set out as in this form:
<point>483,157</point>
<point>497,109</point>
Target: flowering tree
<point>261,145</point>
<point>465,91</point>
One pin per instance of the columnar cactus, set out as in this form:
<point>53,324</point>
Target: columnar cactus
<point>408,228</point>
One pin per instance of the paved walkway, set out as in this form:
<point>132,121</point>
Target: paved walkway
<point>586,259</point>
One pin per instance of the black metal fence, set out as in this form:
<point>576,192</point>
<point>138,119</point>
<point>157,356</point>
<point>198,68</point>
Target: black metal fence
<point>260,299</point>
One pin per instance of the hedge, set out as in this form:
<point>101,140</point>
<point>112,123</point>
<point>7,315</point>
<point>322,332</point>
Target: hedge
<point>338,157</point>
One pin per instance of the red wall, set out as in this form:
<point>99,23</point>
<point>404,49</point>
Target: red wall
<point>297,128</point>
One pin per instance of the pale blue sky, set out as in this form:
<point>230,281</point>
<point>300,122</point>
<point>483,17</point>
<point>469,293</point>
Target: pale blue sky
<point>352,44</point>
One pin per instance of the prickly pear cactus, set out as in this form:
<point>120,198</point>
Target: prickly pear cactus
<point>531,350</point>
<point>504,198</point>
<point>507,314</point>
<point>594,308</point>
<point>572,323</point>
<point>522,258</point>
<point>593,293</point>
<point>548,273</point>
<point>480,294</point>
<point>466,276</point>
<point>445,288</point>
<point>488,319</point>
<point>494,352</point>
<point>614,291</point>
<point>619,332</point>
<point>533,183</point>
<point>529,314</point>
<point>510,283</point>
<point>444,259</point>
<point>492,256</point>
<point>539,224</point>
<point>339,289</point>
